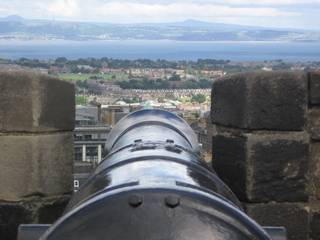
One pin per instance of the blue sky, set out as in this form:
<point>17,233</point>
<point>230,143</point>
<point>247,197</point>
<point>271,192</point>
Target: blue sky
<point>275,13</point>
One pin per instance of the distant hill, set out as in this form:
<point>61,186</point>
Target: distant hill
<point>16,27</point>
<point>13,18</point>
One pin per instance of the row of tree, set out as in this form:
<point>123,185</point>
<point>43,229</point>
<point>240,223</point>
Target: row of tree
<point>76,66</point>
<point>141,63</point>
<point>96,86</point>
<point>118,63</point>
<point>164,84</point>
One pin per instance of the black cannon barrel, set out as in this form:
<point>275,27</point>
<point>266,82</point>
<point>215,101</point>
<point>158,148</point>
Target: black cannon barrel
<point>153,185</point>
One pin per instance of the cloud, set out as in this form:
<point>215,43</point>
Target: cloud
<point>250,12</point>
<point>232,2</point>
<point>264,2</point>
<point>175,11</point>
<point>65,8</point>
<point>132,11</point>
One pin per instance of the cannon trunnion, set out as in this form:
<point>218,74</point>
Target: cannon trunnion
<point>153,185</point>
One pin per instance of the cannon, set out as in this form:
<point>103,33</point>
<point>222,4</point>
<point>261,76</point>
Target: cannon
<point>152,185</point>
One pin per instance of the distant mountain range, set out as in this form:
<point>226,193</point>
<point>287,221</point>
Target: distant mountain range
<point>16,27</point>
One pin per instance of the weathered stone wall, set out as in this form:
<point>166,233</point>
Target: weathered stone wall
<point>266,147</point>
<point>36,146</point>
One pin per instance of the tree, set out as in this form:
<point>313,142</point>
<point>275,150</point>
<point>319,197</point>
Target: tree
<point>61,61</point>
<point>190,84</point>
<point>81,100</point>
<point>175,77</point>
<point>82,84</point>
<point>199,98</point>
<point>204,83</point>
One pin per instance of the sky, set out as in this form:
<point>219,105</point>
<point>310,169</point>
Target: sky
<point>304,14</point>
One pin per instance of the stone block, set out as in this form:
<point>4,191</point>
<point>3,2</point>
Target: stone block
<point>261,101</point>
<point>314,86</point>
<point>314,122</point>
<point>11,216</point>
<point>293,216</point>
<point>52,209</point>
<point>32,102</point>
<point>315,169</point>
<point>35,165</point>
<point>229,161</point>
<point>263,167</point>
<point>315,221</point>
<point>31,211</point>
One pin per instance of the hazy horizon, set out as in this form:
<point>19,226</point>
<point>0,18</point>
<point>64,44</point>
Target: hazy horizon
<point>302,14</point>
<point>146,23</point>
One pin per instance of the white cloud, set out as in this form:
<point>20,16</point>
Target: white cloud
<point>233,2</point>
<point>250,12</point>
<point>175,11</point>
<point>126,11</point>
<point>64,8</point>
<point>264,2</point>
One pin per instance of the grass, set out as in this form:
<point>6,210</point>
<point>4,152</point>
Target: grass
<point>81,100</point>
<point>82,77</point>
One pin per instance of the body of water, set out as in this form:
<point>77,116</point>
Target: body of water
<point>170,50</point>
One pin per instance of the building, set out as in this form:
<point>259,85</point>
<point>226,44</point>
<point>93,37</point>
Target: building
<point>111,114</point>
<point>86,115</point>
<point>203,129</point>
<point>90,136</point>
<point>89,142</point>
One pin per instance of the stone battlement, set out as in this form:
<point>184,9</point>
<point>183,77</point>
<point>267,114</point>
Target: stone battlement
<point>266,147</point>
<point>36,146</point>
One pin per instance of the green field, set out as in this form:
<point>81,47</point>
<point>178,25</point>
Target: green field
<point>81,100</point>
<point>82,77</point>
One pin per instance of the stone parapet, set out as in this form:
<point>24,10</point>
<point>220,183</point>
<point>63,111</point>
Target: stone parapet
<point>261,101</point>
<point>293,216</point>
<point>32,102</point>
<point>38,164</point>
<point>30,210</point>
<point>266,166</point>
<point>36,145</point>
<point>266,146</point>
<point>314,86</point>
